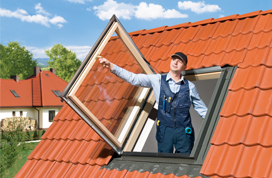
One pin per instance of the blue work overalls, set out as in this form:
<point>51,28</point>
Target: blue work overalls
<point>173,118</point>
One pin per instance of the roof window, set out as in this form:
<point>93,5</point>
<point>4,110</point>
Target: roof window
<point>108,105</point>
<point>121,113</point>
<point>14,93</point>
<point>56,92</point>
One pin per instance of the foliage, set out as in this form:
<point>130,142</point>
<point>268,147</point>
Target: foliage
<point>45,68</point>
<point>16,60</point>
<point>21,160</point>
<point>9,146</point>
<point>63,60</point>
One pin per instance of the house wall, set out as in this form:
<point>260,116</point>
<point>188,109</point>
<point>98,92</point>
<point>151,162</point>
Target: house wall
<point>45,116</point>
<point>27,112</point>
<point>32,113</point>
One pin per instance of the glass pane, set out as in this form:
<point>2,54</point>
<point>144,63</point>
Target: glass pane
<point>108,97</point>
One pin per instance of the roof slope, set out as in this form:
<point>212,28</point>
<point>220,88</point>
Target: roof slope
<point>240,146</point>
<point>22,88</point>
<point>34,91</point>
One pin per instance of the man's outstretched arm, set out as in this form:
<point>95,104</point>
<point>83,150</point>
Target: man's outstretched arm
<point>141,80</point>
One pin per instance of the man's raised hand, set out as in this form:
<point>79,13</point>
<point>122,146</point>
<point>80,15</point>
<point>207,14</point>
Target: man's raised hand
<point>105,63</point>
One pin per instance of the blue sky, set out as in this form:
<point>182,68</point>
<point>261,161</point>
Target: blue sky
<point>77,24</point>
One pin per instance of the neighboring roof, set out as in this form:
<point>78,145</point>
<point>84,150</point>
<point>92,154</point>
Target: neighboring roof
<point>22,88</point>
<point>240,146</point>
<point>35,91</point>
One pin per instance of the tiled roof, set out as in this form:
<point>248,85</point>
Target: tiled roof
<point>240,146</point>
<point>22,88</point>
<point>35,91</point>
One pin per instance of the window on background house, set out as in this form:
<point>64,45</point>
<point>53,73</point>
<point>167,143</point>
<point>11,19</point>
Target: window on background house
<point>56,92</point>
<point>21,113</point>
<point>51,115</point>
<point>14,93</point>
<point>13,113</point>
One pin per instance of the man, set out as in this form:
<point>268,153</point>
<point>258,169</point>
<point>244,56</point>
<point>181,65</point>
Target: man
<point>175,96</point>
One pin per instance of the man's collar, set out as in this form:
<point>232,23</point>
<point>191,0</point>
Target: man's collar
<point>168,77</point>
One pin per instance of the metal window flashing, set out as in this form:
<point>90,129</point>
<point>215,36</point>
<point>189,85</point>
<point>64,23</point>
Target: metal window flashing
<point>155,165</point>
<point>220,97</point>
<point>202,71</point>
<point>202,143</point>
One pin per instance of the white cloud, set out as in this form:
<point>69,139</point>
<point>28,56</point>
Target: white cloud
<point>142,11</point>
<point>37,18</point>
<point>221,15</point>
<point>110,7</point>
<point>40,10</point>
<point>37,52</point>
<point>81,51</point>
<point>57,19</point>
<point>198,7</point>
<point>79,1</point>
<point>154,11</point>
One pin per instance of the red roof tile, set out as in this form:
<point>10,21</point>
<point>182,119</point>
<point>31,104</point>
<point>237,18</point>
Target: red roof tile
<point>241,145</point>
<point>259,78</point>
<point>51,82</point>
<point>225,28</point>
<point>248,130</point>
<point>23,88</point>
<point>238,161</point>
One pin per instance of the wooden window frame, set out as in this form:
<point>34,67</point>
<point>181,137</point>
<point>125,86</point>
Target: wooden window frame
<point>68,94</point>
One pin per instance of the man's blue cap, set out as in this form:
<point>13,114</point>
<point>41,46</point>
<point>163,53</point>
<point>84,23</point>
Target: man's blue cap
<point>181,56</point>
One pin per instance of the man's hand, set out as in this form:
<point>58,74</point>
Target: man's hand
<point>106,63</point>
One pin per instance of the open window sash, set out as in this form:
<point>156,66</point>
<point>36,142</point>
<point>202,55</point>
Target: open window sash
<point>94,93</point>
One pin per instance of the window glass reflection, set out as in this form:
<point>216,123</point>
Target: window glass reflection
<point>108,97</point>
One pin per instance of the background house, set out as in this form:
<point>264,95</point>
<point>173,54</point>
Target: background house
<point>239,144</point>
<point>36,97</point>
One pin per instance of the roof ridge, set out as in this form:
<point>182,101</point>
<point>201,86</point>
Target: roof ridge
<point>32,92</point>
<point>53,74</point>
<point>201,22</point>
<point>41,90</point>
<point>266,12</point>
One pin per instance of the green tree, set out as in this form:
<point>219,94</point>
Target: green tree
<point>9,144</point>
<point>63,60</point>
<point>16,60</point>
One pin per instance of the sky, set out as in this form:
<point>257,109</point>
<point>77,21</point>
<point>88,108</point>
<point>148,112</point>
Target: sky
<point>77,24</point>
